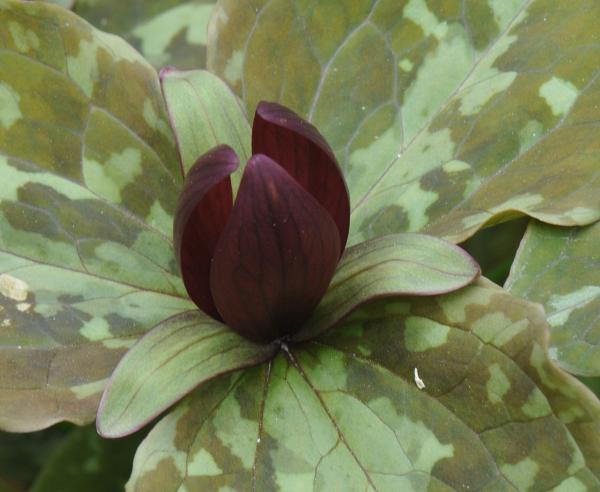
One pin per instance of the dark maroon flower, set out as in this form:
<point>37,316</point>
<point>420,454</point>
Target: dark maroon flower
<point>262,263</point>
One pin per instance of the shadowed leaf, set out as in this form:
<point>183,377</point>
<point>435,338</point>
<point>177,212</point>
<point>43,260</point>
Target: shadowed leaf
<point>90,179</point>
<point>168,363</point>
<point>402,264</point>
<point>166,32</point>
<point>22,456</point>
<point>494,414</point>
<point>85,461</point>
<point>560,268</point>
<point>445,116</point>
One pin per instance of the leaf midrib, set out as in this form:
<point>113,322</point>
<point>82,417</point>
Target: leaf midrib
<point>94,275</point>
<point>294,363</point>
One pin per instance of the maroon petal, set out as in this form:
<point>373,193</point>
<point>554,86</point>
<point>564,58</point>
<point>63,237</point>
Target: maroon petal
<point>300,149</point>
<point>202,212</point>
<point>275,257</point>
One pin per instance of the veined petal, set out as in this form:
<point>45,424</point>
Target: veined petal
<point>202,212</point>
<point>276,255</point>
<point>300,149</point>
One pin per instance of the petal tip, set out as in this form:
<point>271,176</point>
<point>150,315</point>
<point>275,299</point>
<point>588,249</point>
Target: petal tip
<point>298,146</point>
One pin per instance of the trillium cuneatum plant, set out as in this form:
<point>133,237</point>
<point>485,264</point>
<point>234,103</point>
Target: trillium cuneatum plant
<point>259,264</point>
<point>254,256</point>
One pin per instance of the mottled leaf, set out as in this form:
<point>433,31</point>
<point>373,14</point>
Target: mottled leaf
<point>166,364</point>
<point>345,413</point>
<point>166,32</point>
<point>89,182</point>
<point>86,462</point>
<point>444,115</point>
<point>560,268</point>
<point>205,113</point>
<point>402,264</point>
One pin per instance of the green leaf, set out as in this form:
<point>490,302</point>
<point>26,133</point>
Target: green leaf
<point>84,461</point>
<point>444,115</point>
<point>402,264</point>
<point>166,32</point>
<point>67,4</point>
<point>494,414</point>
<point>166,364</point>
<point>558,267</point>
<point>90,178</point>
<point>205,113</point>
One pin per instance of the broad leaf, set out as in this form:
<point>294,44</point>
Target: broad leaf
<point>558,267</point>
<point>204,113</point>
<point>444,115</point>
<point>85,461</point>
<point>402,264</point>
<point>167,32</point>
<point>166,364</point>
<point>89,182</point>
<point>494,413</point>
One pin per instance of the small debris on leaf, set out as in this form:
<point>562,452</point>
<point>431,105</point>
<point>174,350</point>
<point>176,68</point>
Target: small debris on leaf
<point>418,381</point>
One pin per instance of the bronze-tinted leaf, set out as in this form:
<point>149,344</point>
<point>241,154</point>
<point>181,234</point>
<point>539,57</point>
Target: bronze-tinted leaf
<point>444,115</point>
<point>494,413</point>
<point>89,179</point>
